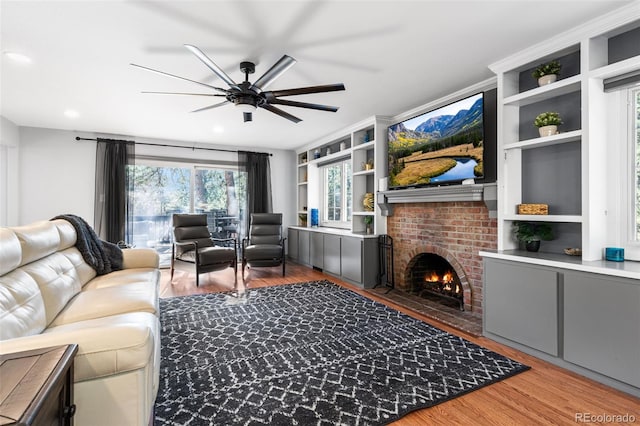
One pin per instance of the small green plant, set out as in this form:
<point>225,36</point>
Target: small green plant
<point>548,118</point>
<point>303,218</point>
<point>368,220</point>
<point>549,68</point>
<point>528,231</point>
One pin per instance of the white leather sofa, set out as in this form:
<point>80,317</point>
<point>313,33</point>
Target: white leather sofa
<point>50,296</point>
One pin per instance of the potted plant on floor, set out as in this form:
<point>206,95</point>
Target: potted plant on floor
<point>547,73</point>
<point>547,123</point>
<point>532,233</point>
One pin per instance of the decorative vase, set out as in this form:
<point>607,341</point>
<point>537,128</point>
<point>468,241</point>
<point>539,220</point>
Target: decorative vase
<point>343,146</point>
<point>548,130</point>
<point>367,201</point>
<point>547,79</point>
<point>532,245</point>
<point>369,230</point>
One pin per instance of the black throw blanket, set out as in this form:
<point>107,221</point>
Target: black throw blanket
<point>102,256</point>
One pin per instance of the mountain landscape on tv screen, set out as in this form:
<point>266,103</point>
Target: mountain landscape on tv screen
<point>442,148</point>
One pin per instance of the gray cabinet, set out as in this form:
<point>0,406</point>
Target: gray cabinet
<point>304,247</point>
<point>352,258</point>
<point>298,246</point>
<point>521,304</point>
<point>586,322</point>
<point>317,250</point>
<point>602,325</point>
<point>332,254</point>
<point>292,242</point>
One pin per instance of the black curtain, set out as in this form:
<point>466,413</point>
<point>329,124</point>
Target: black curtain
<point>112,207</point>
<point>256,165</point>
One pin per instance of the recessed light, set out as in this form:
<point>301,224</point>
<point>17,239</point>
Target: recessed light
<point>18,57</point>
<point>218,129</point>
<point>71,113</point>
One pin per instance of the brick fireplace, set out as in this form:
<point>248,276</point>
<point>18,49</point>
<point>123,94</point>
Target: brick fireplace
<point>454,230</point>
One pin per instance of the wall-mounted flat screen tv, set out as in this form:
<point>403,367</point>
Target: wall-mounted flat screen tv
<point>443,146</point>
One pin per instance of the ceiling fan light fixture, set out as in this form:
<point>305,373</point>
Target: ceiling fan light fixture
<point>246,107</point>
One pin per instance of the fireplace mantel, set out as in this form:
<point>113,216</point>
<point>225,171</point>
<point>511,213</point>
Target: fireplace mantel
<point>439,194</point>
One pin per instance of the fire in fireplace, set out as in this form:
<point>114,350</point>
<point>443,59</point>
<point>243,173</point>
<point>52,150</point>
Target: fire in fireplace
<point>432,275</point>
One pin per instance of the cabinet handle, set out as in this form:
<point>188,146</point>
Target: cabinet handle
<point>69,411</point>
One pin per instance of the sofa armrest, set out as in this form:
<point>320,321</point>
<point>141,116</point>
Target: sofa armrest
<point>140,258</point>
<point>106,346</point>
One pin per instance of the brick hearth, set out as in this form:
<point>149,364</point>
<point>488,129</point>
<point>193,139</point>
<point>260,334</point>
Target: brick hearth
<point>456,231</point>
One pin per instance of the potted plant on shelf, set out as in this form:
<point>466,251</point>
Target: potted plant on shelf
<point>547,73</point>
<point>547,123</point>
<point>303,219</point>
<point>368,221</point>
<point>368,165</point>
<point>532,233</point>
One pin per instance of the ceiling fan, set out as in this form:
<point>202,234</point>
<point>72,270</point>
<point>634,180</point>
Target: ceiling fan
<point>249,96</point>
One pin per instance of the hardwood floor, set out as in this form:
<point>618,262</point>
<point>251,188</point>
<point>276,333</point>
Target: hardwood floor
<point>544,395</point>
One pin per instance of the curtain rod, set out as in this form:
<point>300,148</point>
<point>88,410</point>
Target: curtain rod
<point>78,138</point>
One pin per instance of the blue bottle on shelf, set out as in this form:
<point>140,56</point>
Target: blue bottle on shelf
<point>314,218</point>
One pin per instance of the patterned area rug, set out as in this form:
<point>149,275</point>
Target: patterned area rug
<point>308,354</point>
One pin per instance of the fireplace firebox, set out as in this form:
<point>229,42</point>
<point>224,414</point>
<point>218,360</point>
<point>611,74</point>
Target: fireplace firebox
<point>432,276</point>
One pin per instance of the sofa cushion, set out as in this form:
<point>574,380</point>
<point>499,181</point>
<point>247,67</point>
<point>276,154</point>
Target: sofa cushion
<point>150,276</point>
<point>107,301</point>
<point>58,280</point>
<point>38,240</point>
<point>22,311</point>
<point>67,233</point>
<point>10,251</point>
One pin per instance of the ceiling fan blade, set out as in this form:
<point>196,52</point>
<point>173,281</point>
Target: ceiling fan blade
<point>211,106</point>
<point>306,90</point>
<point>274,72</point>
<point>180,78</point>
<point>303,105</point>
<point>281,113</point>
<point>182,93</point>
<point>211,65</point>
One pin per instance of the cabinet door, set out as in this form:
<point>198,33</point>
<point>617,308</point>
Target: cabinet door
<point>292,239</point>
<point>521,304</point>
<point>332,254</point>
<point>317,250</point>
<point>602,325</point>
<point>304,247</point>
<point>352,259</point>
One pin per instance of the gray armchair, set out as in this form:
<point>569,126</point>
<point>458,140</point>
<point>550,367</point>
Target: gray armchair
<point>194,246</point>
<point>265,245</point>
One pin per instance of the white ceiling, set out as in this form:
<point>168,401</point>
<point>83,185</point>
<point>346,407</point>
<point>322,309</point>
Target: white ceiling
<point>391,55</point>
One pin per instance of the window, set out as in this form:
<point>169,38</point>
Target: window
<point>634,106</point>
<point>161,188</point>
<point>336,190</point>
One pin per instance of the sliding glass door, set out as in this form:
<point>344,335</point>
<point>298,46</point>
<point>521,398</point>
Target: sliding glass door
<point>161,189</point>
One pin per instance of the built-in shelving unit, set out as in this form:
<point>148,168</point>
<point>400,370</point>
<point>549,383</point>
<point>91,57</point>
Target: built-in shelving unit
<point>565,170</point>
<point>364,144</point>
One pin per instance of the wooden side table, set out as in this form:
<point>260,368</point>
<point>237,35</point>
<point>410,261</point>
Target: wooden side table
<point>36,387</point>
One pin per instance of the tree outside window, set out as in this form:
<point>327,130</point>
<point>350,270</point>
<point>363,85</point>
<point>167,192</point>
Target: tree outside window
<point>337,194</point>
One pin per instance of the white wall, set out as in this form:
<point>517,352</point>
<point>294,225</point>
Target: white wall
<point>9,174</point>
<point>57,173</point>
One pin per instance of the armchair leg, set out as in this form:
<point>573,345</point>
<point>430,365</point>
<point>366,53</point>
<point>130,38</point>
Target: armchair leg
<point>173,259</point>
<point>283,265</point>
